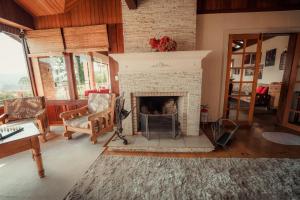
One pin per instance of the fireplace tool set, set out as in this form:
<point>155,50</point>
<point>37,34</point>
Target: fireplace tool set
<point>121,114</point>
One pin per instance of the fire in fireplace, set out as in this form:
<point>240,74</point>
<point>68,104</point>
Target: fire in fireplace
<point>158,116</point>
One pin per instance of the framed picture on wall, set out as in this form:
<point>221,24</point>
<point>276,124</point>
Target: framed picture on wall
<point>250,58</point>
<point>270,58</point>
<point>282,60</point>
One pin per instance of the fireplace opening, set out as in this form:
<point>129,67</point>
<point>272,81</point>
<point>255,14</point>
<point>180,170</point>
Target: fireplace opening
<point>158,116</point>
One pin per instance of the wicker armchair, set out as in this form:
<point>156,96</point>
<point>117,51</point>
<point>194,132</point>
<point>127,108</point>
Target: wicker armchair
<point>94,119</point>
<point>26,109</point>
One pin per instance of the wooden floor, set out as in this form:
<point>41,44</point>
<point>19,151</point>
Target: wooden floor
<point>248,143</point>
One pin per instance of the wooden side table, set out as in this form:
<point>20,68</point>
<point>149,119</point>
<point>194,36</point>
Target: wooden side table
<point>25,140</point>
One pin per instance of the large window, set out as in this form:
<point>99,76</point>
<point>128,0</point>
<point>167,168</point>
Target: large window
<point>82,76</point>
<point>91,74</point>
<point>14,81</point>
<point>101,71</point>
<point>54,78</point>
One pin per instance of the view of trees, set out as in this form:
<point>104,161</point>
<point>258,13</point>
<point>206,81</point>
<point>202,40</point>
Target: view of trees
<point>14,82</point>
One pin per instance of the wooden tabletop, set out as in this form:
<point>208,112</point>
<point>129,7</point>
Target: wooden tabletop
<point>30,130</point>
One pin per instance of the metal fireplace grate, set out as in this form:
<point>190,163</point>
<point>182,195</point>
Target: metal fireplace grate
<point>159,125</point>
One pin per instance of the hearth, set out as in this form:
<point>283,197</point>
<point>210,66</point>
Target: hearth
<point>158,116</point>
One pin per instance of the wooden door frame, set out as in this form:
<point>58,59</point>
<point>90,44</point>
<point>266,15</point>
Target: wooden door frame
<point>282,105</point>
<point>255,75</point>
<point>291,83</point>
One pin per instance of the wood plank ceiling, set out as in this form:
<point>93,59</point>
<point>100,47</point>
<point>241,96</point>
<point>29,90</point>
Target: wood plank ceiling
<point>83,13</point>
<point>13,15</point>
<point>47,7</point>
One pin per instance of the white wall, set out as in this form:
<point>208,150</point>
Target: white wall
<point>212,33</point>
<point>272,73</point>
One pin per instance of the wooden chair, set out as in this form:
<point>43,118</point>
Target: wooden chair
<point>26,109</point>
<point>94,119</point>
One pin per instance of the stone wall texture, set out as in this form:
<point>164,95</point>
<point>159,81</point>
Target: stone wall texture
<point>156,18</point>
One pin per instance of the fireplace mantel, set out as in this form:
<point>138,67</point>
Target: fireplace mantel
<point>177,73</point>
<point>163,61</point>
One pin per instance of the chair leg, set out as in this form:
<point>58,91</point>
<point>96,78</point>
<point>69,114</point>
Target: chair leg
<point>33,158</point>
<point>44,138</point>
<point>94,138</point>
<point>68,135</point>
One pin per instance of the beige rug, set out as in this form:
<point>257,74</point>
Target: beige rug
<point>116,177</point>
<point>282,138</point>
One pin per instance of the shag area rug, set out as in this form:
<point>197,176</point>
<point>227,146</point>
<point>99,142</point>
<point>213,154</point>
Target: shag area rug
<point>116,177</point>
<point>282,138</point>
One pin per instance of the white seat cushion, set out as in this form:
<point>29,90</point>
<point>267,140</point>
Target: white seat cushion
<point>78,122</point>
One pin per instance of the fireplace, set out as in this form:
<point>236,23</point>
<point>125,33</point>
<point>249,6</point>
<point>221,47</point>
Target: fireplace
<point>159,105</point>
<point>158,116</point>
<point>176,75</point>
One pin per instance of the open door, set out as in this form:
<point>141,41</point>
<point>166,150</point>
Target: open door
<point>244,54</point>
<point>291,115</point>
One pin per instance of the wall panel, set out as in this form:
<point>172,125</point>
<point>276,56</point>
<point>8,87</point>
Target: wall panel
<point>116,45</point>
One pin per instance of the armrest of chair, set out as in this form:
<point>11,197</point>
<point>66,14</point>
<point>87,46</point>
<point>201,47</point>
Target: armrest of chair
<point>98,115</point>
<point>3,117</point>
<point>41,114</point>
<point>69,114</point>
<point>42,121</point>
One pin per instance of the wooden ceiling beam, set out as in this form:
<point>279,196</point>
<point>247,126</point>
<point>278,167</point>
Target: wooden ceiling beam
<point>132,4</point>
<point>13,15</point>
<point>234,6</point>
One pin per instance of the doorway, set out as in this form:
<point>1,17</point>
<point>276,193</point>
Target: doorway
<point>262,79</point>
<point>241,78</point>
<point>272,66</point>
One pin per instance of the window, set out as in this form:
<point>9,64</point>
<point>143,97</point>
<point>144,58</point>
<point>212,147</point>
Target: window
<point>101,71</point>
<point>54,78</point>
<point>82,76</point>
<point>15,81</point>
<point>90,74</point>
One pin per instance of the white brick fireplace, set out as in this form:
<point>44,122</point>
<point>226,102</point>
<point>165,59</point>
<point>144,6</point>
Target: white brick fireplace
<point>176,74</point>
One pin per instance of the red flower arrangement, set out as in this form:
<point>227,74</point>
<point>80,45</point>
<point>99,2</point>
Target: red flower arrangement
<point>165,43</point>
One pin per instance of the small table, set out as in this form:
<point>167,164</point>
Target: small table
<point>25,140</point>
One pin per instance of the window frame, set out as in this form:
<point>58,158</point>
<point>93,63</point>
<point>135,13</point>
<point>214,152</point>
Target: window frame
<point>71,77</point>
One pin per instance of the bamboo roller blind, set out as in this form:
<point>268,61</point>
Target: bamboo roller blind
<point>45,41</point>
<point>86,38</point>
<point>74,39</point>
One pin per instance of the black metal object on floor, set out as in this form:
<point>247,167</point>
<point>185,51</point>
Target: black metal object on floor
<point>121,114</point>
<point>223,130</point>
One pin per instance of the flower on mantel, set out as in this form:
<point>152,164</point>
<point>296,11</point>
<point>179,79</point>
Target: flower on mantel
<point>165,43</point>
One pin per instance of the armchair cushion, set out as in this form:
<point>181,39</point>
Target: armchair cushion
<point>98,102</point>
<point>22,108</point>
<point>79,122</point>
